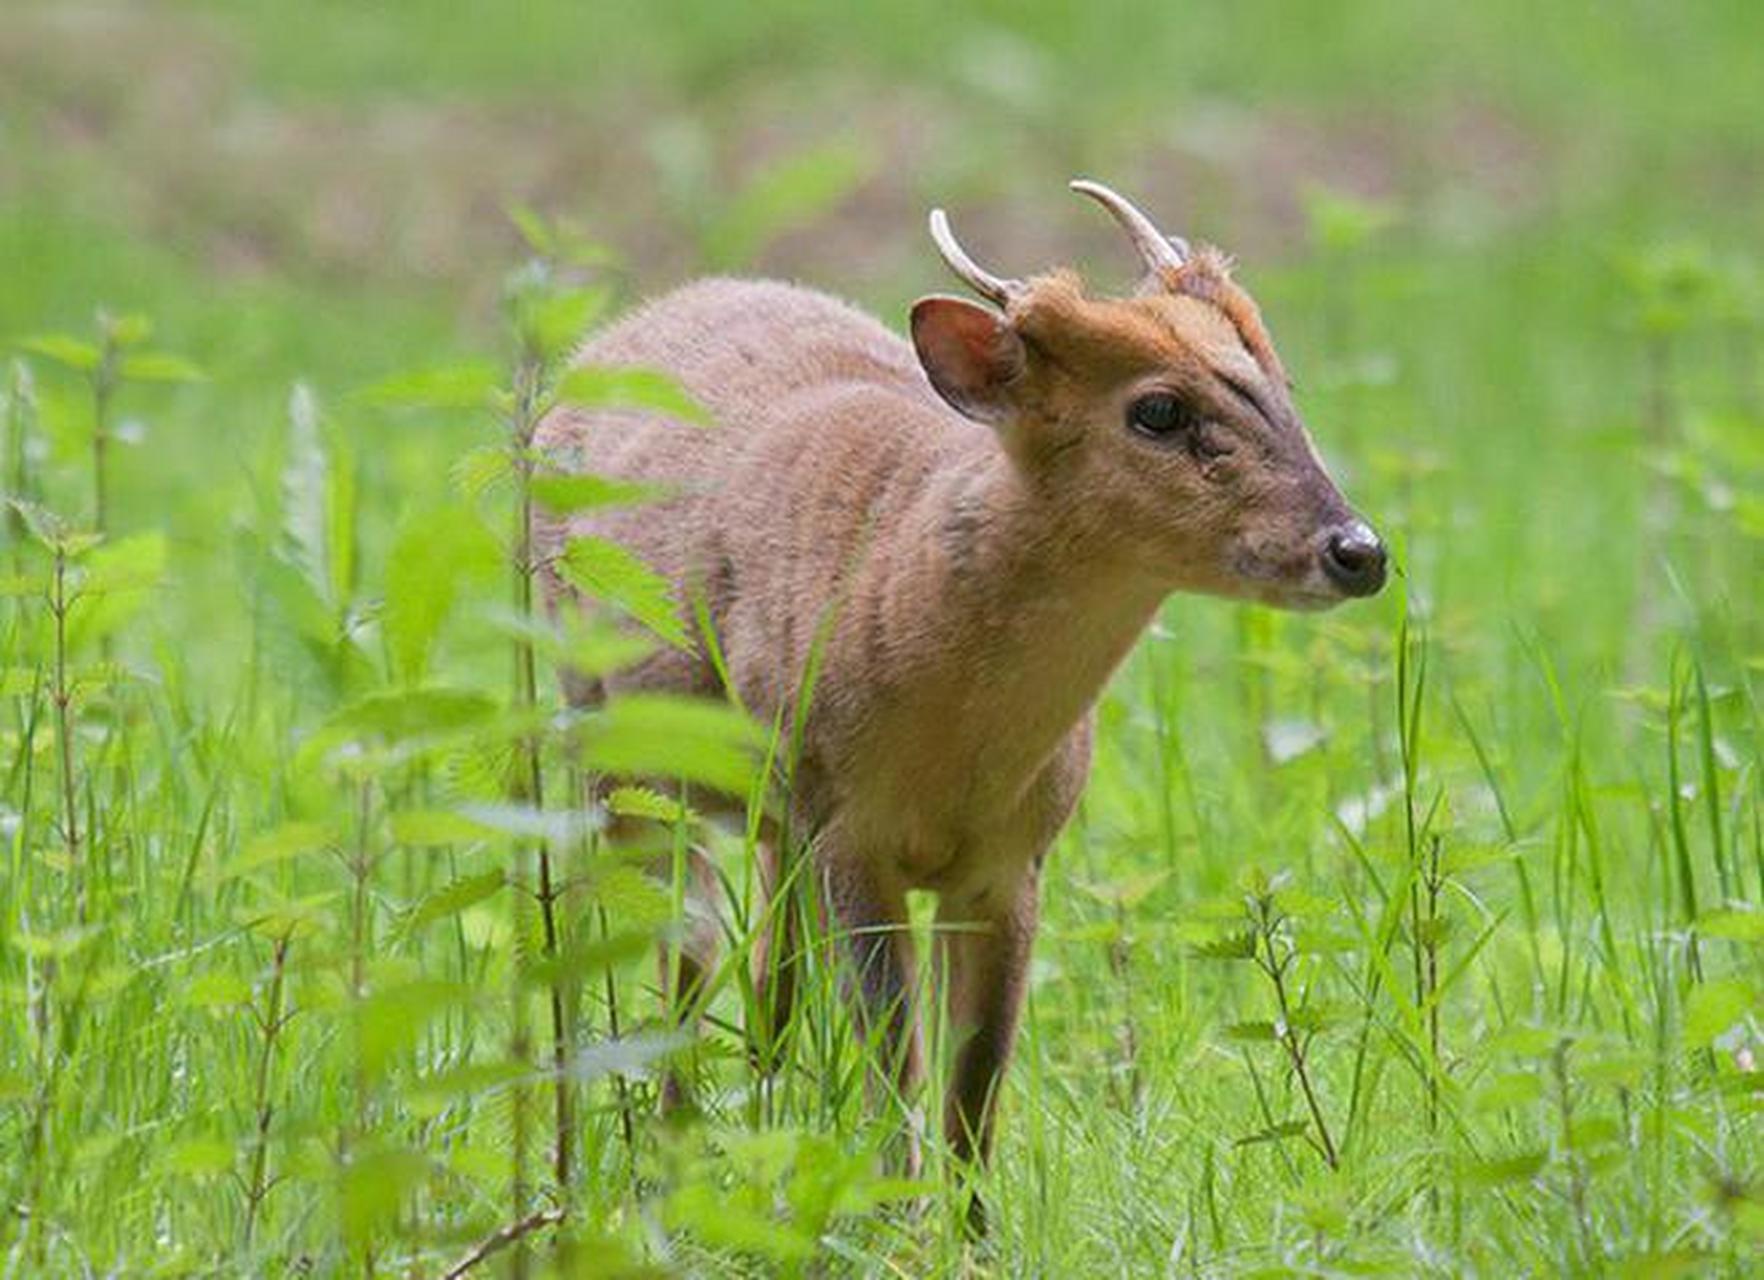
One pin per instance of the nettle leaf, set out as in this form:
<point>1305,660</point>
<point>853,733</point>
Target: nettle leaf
<point>562,494</point>
<point>479,469</point>
<point>658,735</point>
<point>159,366</point>
<point>468,385</point>
<point>1713,1007</point>
<point>601,387</point>
<point>609,573</point>
<point>450,900</point>
<point>645,802</point>
<point>433,1094</point>
<point>408,719</point>
<point>434,554</point>
<point>69,352</point>
<point>555,321</point>
<point>1233,946</point>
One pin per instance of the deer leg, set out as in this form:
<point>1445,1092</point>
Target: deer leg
<point>985,952</point>
<point>872,926</point>
<point>776,958</point>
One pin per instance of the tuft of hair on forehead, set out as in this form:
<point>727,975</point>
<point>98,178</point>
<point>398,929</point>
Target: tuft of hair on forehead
<point>1055,312</point>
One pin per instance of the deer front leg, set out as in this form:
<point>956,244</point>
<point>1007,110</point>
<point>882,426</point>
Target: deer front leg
<point>871,922</point>
<point>986,953</point>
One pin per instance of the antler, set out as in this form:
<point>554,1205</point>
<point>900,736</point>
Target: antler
<point>1161,253</point>
<point>995,289</point>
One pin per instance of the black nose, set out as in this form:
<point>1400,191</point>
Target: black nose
<point>1354,560</point>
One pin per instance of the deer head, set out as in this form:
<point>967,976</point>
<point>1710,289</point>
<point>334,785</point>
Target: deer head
<point>1161,422</point>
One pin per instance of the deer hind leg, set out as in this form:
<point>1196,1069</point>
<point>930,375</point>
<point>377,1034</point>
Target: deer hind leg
<point>985,953</point>
<point>777,955</point>
<point>872,929</point>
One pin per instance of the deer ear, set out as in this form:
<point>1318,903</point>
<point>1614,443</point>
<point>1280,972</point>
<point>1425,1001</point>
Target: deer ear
<point>971,354</point>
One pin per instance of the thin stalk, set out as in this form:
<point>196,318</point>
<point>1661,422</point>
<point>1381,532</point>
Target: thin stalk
<point>529,376</point>
<point>1273,963</point>
<point>103,389</point>
<point>269,1024</point>
<point>62,696</point>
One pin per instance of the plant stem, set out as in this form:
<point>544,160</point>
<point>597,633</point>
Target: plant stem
<point>270,1023</point>
<point>1274,965</point>
<point>529,376</point>
<point>62,695</point>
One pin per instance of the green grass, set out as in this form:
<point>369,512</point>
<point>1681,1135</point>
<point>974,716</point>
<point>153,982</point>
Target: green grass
<point>283,1004</point>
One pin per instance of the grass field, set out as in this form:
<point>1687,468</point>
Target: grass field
<point>1422,937</point>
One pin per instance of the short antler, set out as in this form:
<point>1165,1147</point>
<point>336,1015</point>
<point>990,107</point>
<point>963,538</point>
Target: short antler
<point>995,289</point>
<point>1161,253</point>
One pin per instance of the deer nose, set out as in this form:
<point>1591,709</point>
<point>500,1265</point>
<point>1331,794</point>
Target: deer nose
<point>1354,559</point>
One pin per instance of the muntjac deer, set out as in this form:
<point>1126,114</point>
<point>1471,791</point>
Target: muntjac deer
<point>975,527</point>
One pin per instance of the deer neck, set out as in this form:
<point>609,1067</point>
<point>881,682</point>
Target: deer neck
<point>1033,607</point>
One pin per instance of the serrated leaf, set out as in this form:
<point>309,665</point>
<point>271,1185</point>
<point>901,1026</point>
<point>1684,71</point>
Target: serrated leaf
<point>790,193</point>
<point>646,802</point>
<point>478,469</point>
<point>603,387</point>
<point>611,574</point>
<point>370,1187</point>
<point>456,897</point>
<point>1233,946</point>
<point>468,385</point>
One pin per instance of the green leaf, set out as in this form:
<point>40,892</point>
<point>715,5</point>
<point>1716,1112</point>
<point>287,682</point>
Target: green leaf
<point>159,366</point>
<point>469,385</point>
<point>662,736</point>
<point>1233,946</point>
<point>456,897</point>
<point>563,494</point>
<point>63,350</point>
<point>600,387</point>
<point>646,802</point>
<point>1713,1007</point>
<point>434,554</point>
<point>555,322</point>
<point>389,1021</point>
<point>607,572</point>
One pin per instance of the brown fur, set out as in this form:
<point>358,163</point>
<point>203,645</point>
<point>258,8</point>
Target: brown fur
<point>979,583</point>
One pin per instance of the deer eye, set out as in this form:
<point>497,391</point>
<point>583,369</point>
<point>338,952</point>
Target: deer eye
<point>1159,415</point>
